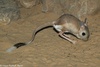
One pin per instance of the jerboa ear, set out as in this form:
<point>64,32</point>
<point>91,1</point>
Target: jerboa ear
<point>85,22</point>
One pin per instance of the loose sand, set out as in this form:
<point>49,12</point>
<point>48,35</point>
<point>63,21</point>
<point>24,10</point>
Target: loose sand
<point>48,49</point>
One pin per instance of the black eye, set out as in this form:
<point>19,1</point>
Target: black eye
<point>83,34</point>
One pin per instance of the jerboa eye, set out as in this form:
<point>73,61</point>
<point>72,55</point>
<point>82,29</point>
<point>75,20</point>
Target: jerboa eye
<point>83,34</point>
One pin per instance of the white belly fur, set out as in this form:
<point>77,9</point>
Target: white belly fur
<point>58,27</point>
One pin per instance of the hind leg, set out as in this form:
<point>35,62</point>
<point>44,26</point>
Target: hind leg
<point>66,37</point>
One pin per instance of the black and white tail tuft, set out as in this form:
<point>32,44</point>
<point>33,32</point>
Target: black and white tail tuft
<point>15,47</point>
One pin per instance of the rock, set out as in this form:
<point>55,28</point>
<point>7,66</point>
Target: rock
<point>8,11</point>
<point>78,8</point>
<point>26,3</point>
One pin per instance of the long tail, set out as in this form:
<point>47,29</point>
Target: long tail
<point>33,36</point>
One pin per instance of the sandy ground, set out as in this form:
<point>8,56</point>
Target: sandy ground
<point>48,49</point>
